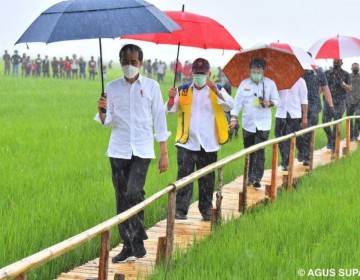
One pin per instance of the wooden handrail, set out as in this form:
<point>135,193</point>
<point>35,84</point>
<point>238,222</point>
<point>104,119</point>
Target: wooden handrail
<point>19,268</point>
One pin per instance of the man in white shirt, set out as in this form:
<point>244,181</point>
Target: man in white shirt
<point>256,96</point>
<point>291,116</point>
<point>202,126</point>
<point>134,105</point>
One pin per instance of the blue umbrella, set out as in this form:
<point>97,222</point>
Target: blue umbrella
<point>87,19</point>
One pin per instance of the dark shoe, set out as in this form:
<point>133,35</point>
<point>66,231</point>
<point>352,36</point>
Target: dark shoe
<point>328,145</point>
<point>139,249</point>
<point>284,167</point>
<point>126,255</point>
<point>256,185</point>
<point>353,139</point>
<point>300,158</point>
<point>306,162</point>
<point>180,216</point>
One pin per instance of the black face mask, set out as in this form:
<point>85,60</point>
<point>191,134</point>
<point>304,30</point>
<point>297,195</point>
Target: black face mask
<point>355,71</point>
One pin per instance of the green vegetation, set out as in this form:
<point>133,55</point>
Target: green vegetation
<point>55,178</point>
<point>315,228</point>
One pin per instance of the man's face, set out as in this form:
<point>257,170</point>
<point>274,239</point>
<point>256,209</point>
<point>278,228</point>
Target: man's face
<point>130,58</point>
<point>336,63</point>
<point>355,67</point>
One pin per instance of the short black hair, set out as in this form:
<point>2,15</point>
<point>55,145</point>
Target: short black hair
<point>258,63</point>
<point>131,47</point>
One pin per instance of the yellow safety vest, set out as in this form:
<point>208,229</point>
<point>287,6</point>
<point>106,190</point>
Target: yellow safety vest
<point>185,102</point>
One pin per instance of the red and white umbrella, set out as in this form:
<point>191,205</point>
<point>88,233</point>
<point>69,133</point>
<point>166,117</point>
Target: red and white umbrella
<point>338,47</point>
<point>306,61</point>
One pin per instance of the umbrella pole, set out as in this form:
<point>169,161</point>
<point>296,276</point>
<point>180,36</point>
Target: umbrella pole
<point>176,63</point>
<point>101,69</point>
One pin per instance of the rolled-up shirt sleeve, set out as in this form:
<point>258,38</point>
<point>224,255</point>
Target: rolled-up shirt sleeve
<point>303,92</point>
<point>237,103</point>
<point>159,117</point>
<point>228,103</point>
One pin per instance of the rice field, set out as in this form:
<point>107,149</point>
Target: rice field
<point>55,177</point>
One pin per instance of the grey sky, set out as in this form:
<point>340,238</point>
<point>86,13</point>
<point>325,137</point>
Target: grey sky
<point>300,22</point>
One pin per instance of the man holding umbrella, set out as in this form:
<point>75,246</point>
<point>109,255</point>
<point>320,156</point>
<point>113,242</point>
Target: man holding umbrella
<point>202,126</point>
<point>255,95</point>
<point>133,106</point>
<point>339,85</point>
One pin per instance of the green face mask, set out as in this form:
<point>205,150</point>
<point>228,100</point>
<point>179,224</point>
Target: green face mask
<point>256,77</point>
<point>199,80</point>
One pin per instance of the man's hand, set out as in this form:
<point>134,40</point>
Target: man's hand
<point>102,103</point>
<point>212,86</point>
<point>172,92</point>
<point>265,103</point>
<point>233,122</point>
<point>304,122</point>
<point>163,160</point>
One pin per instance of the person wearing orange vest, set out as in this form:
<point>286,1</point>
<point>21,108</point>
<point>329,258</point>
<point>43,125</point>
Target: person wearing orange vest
<point>202,128</point>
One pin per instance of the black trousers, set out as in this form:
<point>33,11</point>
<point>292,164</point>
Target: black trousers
<point>353,110</point>
<point>303,141</point>
<point>187,162</point>
<point>328,115</point>
<point>128,176</point>
<point>285,127</point>
<point>257,159</point>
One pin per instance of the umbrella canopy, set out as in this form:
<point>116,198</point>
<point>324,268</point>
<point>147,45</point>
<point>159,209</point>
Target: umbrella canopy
<point>306,61</point>
<point>197,31</point>
<point>87,19</point>
<point>281,66</point>
<point>338,47</point>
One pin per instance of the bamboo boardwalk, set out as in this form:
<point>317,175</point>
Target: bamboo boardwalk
<point>194,229</point>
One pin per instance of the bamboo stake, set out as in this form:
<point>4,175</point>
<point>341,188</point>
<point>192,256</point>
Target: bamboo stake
<point>219,196</point>
<point>312,148</point>
<point>291,163</point>
<point>274,167</point>
<point>161,248</point>
<point>170,226</point>
<point>347,136</point>
<point>245,181</point>
<point>104,256</point>
<point>21,277</point>
<point>337,141</point>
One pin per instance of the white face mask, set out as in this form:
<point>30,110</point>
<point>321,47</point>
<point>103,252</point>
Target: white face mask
<point>199,80</point>
<point>130,71</point>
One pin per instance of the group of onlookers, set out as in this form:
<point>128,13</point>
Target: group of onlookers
<point>69,68</point>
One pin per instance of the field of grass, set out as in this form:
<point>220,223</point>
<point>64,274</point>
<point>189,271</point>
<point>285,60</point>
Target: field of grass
<point>314,230</point>
<point>55,178</point>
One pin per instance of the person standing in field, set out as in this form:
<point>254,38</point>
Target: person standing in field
<point>38,62</point>
<point>67,67</point>
<point>339,85</point>
<point>256,96</point>
<point>82,66</point>
<point>353,101</point>
<point>92,68</point>
<point>55,67</point>
<point>15,60</point>
<point>291,116</point>
<point>134,105</point>
<point>46,67</point>
<point>202,127</point>
<point>7,61</point>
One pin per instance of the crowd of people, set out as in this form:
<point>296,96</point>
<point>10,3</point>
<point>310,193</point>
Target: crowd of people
<point>201,106</point>
<point>68,68</point>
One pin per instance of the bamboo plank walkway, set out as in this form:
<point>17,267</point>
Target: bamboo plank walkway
<point>194,229</point>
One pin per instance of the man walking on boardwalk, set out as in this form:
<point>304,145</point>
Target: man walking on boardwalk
<point>134,105</point>
<point>202,127</point>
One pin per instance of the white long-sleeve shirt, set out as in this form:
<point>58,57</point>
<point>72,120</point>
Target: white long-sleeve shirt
<point>202,119</point>
<point>254,116</point>
<point>133,110</point>
<point>292,99</point>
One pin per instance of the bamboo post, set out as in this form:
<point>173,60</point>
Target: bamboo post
<point>170,226</point>
<point>219,196</point>
<point>104,255</point>
<point>291,163</point>
<point>312,149</point>
<point>347,136</point>
<point>243,194</point>
<point>337,141</point>
<point>274,166</point>
<point>161,249</point>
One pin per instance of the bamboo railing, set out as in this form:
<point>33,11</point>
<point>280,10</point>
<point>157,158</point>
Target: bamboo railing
<point>19,269</point>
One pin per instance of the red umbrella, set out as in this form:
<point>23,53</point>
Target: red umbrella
<point>198,31</point>
<point>336,47</point>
